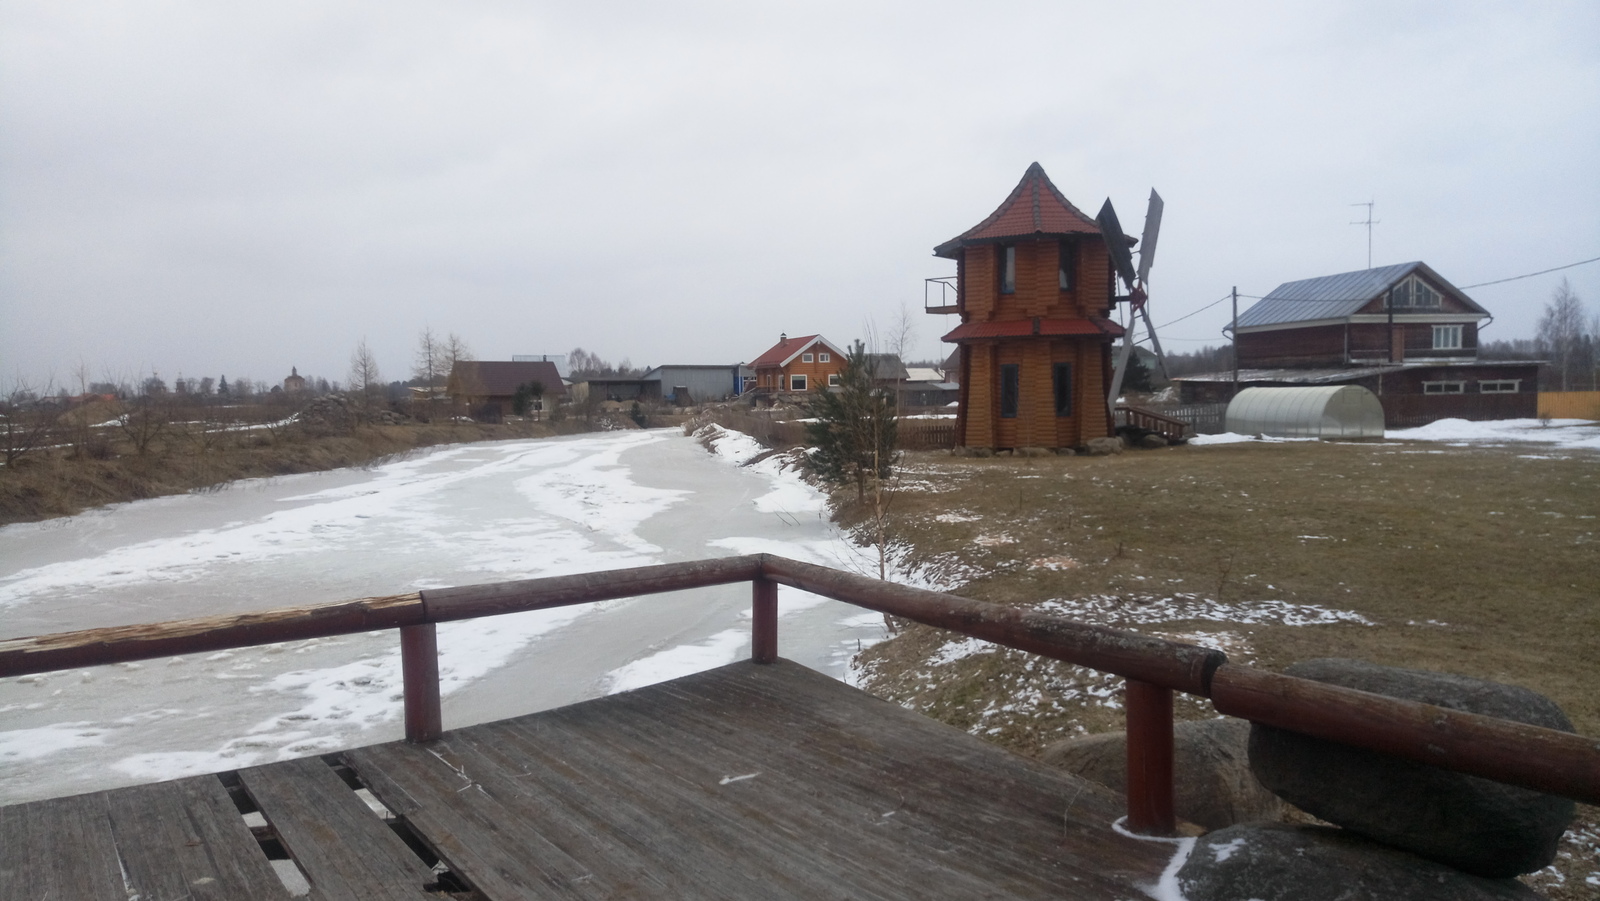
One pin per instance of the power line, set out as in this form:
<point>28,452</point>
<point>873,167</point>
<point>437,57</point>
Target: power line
<point>1201,310</point>
<point>1531,274</point>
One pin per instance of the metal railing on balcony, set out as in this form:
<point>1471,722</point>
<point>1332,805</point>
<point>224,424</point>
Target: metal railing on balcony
<point>941,295</point>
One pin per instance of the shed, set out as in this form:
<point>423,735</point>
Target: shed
<point>1325,411</point>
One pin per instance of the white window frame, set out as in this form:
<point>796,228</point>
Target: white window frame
<point>824,358</point>
<point>1447,337</point>
<point>1499,386</point>
<point>833,380</point>
<point>805,358</point>
<point>797,383</point>
<point>1444,387</point>
<point>1411,284</point>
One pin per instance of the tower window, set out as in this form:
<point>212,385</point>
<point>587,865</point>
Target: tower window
<point>1061,382</point>
<point>1008,269</point>
<point>1066,264</point>
<point>1010,377</point>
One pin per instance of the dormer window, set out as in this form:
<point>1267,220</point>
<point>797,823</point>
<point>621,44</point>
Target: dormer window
<point>1413,294</point>
<point>1008,269</point>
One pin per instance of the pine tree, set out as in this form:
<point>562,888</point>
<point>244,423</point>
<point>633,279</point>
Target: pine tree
<point>853,429</point>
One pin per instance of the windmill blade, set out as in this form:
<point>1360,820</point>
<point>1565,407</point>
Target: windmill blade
<point>1152,228</point>
<point>1116,242</point>
<point>1155,342</point>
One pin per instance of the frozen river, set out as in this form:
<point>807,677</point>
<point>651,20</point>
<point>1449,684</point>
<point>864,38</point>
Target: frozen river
<point>453,516</point>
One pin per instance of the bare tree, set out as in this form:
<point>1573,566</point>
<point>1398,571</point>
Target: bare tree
<point>27,424</point>
<point>428,362</point>
<point>1561,330</point>
<point>366,382</point>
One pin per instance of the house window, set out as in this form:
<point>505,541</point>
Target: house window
<point>1008,269</point>
<point>805,358</point>
<point>1500,386</point>
<point>824,358</point>
<point>833,380</point>
<point>1066,260</point>
<point>1414,294</point>
<point>1447,337</point>
<point>797,383</point>
<point>1010,374</point>
<point>1061,382</point>
<point>1444,387</point>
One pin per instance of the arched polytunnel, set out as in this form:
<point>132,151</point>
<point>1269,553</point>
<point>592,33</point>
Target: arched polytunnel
<point>1332,411</point>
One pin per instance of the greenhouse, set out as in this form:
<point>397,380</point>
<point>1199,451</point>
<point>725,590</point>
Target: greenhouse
<point>1332,411</point>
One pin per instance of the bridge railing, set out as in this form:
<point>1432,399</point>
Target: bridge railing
<point>1547,760</point>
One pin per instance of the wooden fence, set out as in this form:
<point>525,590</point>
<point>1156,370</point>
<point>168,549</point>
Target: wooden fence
<point>1569,404</point>
<point>1546,760</point>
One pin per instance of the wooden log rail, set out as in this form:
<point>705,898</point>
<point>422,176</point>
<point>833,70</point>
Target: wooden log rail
<point>1559,763</point>
<point>1172,428</point>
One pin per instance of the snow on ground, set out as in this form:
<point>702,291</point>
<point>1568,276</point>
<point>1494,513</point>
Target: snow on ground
<point>457,515</point>
<point>1562,434</point>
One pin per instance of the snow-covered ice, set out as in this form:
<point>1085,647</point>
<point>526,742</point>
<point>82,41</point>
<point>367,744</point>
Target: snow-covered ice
<point>456,515</point>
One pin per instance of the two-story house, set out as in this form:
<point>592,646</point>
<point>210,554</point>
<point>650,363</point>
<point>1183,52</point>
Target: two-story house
<point>1402,331</point>
<point>806,363</point>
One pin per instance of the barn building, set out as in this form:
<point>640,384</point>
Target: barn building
<point>1034,292</point>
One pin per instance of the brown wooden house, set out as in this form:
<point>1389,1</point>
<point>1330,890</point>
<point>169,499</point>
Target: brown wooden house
<point>1034,291</point>
<point>1401,331</point>
<point>806,363</point>
<point>488,387</point>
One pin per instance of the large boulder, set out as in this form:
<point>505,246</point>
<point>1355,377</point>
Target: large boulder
<point>1212,783</point>
<point>1476,825</point>
<point>1101,447</point>
<point>1277,862</point>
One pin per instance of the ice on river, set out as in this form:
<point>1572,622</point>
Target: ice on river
<point>452,516</point>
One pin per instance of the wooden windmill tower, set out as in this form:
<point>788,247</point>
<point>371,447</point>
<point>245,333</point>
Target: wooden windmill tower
<point>1035,289</point>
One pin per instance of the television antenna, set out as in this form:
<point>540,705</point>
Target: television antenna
<point>1369,222</point>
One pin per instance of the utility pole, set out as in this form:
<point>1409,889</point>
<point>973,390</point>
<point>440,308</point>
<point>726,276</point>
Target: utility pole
<point>1235,341</point>
<point>1369,223</point>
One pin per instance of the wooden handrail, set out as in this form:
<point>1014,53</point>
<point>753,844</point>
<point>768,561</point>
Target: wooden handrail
<point>1546,760</point>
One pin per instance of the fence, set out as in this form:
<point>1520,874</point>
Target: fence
<point>1204,419</point>
<point>1569,404</point>
<point>1545,760</point>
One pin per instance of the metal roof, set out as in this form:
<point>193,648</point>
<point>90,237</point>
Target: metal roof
<point>1339,296</point>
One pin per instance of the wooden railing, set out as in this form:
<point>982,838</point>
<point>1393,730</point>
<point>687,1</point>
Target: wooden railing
<point>1170,427</point>
<point>1546,760</point>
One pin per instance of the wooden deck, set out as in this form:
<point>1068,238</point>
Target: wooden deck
<point>748,781</point>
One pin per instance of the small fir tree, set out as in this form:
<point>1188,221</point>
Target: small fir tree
<point>853,430</point>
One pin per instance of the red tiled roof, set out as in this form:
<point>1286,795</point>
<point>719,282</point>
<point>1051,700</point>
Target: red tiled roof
<point>784,350</point>
<point>1035,207</point>
<point>1022,328</point>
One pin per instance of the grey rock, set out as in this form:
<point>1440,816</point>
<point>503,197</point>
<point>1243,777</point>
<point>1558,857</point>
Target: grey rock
<point>1066,452</point>
<point>1276,862</point>
<point>1033,452</point>
<point>1212,782</point>
<point>1102,447</point>
<point>1153,441</point>
<point>1476,825</point>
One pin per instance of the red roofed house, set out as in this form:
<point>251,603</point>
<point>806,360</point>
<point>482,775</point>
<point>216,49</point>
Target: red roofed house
<point>807,363</point>
<point>1034,290</point>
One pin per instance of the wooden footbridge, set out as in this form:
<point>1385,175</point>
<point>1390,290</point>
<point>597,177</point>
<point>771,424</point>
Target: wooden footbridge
<point>757,780</point>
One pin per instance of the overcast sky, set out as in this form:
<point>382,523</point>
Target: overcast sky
<point>228,188</point>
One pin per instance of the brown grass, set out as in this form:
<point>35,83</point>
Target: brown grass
<point>1466,560</point>
<point>58,483</point>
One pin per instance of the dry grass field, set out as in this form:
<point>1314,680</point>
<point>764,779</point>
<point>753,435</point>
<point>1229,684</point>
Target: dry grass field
<point>1476,560</point>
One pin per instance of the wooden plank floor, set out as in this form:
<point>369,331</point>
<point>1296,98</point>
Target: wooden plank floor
<point>742,782</point>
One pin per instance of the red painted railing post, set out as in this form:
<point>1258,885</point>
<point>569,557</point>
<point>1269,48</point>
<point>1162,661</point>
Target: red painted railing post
<point>764,627</point>
<point>419,665</point>
<point>1150,759</point>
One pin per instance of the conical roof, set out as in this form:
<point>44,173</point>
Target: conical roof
<point>1034,209</point>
